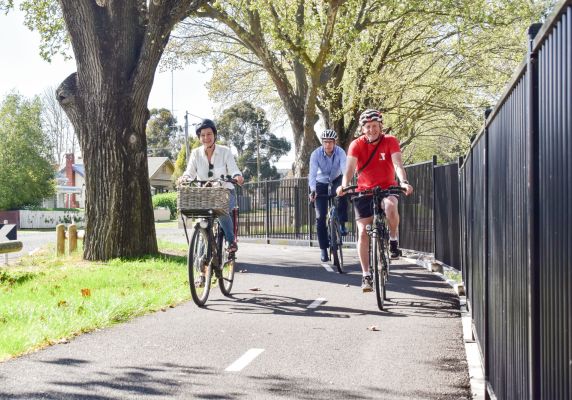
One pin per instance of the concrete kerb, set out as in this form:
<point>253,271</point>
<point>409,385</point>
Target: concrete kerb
<point>288,242</point>
<point>474,359</point>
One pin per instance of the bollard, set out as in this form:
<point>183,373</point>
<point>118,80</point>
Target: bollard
<point>72,237</point>
<point>60,239</point>
<point>6,255</point>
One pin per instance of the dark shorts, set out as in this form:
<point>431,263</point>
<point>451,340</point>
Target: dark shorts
<point>363,207</point>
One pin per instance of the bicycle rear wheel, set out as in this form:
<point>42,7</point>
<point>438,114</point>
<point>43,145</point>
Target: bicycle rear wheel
<point>336,252</point>
<point>200,268</point>
<point>378,274</point>
<point>225,274</point>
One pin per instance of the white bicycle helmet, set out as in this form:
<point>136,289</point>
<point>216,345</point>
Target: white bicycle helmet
<point>329,134</point>
<point>370,115</point>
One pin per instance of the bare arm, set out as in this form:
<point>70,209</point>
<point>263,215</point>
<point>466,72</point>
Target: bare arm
<point>351,163</point>
<point>400,172</point>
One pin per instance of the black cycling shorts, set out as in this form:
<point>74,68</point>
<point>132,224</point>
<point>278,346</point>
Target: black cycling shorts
<point>363,207</point>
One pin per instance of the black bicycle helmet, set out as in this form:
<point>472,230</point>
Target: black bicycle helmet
<point>329,134</point>
<point>205,123</point>
<point>370,115</point>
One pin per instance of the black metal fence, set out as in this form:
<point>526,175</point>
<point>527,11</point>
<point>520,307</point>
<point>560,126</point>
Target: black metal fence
<point>280,210</point>
<point>446,214</point>
<point>503,216</point>
<point>416,229</point>
<point>515,225</point>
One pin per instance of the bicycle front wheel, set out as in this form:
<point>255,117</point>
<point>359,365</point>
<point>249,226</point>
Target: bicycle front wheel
<point>336,253</point>
<point>378,273</point>
<point>200,268</point>
<point>385,262</point>
<point>226,272</point>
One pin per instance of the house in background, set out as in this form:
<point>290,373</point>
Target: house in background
<point>70,187</point>
<point>161,171</point>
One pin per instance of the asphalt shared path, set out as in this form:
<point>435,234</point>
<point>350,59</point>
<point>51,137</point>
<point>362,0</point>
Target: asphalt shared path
<point>293,329</point>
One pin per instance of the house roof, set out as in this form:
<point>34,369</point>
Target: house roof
<point>155,163</point>
<point>79,169</point>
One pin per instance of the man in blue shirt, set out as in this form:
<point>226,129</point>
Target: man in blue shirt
<point>327,165</point>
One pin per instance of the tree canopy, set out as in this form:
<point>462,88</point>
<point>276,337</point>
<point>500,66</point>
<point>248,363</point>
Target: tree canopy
<point>246,128</point>
<point>26,172</point>
<point>429,66</point>
<point>117,46</point>
<point>57,126</point>
<point>162,132</point>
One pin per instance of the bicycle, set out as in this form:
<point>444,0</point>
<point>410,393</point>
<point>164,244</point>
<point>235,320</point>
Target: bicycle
<point>334,227</point>
<point>205,201</point>
<point>378,233</point>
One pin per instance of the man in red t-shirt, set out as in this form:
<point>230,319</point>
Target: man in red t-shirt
<point>379,171</point>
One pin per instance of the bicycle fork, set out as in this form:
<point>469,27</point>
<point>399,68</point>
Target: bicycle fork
<point>372,233</point>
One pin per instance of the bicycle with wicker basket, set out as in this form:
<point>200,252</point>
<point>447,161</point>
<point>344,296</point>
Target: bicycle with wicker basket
<point>205,201</point>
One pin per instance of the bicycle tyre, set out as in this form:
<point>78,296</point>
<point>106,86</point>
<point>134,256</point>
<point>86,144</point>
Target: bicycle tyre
<point>385,262</point>
<point>336,252</point>
<point>198,264</point>
<point>378,275</point>
<point>226,270</point>
<point>386,252</point>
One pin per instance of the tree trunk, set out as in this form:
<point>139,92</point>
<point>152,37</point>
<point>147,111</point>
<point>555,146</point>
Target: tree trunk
<point>118,208</point>
<point>117,47</point>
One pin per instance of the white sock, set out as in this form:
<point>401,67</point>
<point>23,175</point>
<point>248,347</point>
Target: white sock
<point>365,273</point>
<point>393,238</point>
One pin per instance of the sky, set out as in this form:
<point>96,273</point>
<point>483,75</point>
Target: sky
<point>23,70</point>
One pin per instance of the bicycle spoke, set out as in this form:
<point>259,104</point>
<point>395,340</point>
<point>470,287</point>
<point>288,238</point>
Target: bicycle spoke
<point>199,266</point>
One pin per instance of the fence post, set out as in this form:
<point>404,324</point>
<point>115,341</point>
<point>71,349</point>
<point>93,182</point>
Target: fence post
<point>72,237</point>
<point>268,210</point>
<point>486,357</point>
<point>434,161</point>
<point>533,211</point>
<point>60,239</point>
<point>6,254</point>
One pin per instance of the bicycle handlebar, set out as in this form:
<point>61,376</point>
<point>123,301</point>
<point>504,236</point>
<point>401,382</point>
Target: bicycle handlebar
<point>210,182</point>
<point>376,191</point>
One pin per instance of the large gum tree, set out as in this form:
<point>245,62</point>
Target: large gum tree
<point>117,45</point>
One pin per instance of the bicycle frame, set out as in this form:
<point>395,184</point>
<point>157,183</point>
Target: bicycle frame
<point>207,255</point>
<point>378,234</point>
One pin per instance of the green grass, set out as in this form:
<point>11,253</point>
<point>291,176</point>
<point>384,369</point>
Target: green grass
<point>453,275</point>
<point>45,300</point>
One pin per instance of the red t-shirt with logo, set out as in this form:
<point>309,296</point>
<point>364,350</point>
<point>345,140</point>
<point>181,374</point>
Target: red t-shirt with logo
<point>380,170</point>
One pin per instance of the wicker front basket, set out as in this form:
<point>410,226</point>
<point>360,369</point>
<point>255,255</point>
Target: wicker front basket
<point>203,201</point>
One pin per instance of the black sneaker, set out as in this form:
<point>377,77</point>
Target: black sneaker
<point>367,284</point>
<point>324,256</point>
<point>394,251</point>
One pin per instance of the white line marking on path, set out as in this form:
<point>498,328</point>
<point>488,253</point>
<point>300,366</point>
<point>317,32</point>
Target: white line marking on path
<point>244,360</point>
<point>317,302</point>
<point>327,267</point>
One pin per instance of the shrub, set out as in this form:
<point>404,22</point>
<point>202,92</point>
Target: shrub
<point>168,200</point>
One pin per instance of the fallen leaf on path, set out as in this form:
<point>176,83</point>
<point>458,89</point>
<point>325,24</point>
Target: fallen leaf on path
<point>85,292</point>
<point>255,289</point>
<point>372,328</point>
